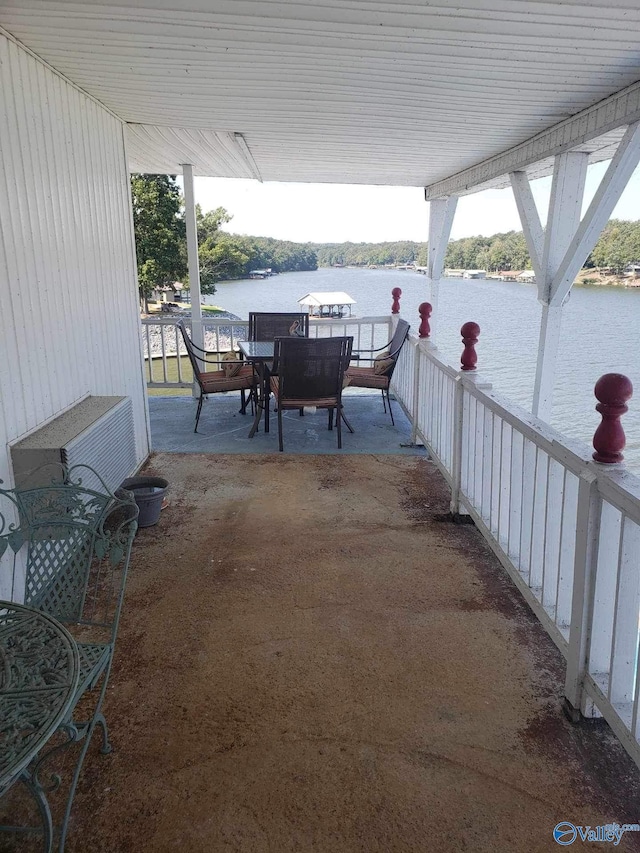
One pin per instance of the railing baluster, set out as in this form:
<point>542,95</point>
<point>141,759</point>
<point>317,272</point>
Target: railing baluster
<point>625,630</point>
<point>165,373</point>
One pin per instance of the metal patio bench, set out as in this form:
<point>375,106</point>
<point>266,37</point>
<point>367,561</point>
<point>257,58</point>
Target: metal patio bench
<point>68,547</point>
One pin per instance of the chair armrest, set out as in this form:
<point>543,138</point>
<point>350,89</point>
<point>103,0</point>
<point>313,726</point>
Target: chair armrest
<point>356,353</point>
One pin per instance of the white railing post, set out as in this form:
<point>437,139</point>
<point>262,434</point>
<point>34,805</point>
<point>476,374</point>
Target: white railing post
<point>456,461</point>
<point>416,392</point>
<point>197,332</point>
<point>589,513</point>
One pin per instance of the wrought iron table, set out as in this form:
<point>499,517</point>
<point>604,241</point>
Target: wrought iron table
<point>259,354</point>
<point>39,671</point>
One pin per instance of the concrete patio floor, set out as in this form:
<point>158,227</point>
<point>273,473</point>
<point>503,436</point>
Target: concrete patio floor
<point>223,430</point>
<point>312,658</point>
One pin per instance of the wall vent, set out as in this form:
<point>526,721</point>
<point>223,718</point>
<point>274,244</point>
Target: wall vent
<point>97,432</point>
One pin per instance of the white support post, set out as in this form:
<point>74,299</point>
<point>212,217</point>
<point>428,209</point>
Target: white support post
<point>565,208</point>
<point>197,334</point>
<point>588,516</point>
<point>548,345</point>
<point>615,179</point>
<point>441,213</point>
<point>567,242</point>
<point>547,249</point>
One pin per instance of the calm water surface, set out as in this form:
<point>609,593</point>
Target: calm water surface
<point>600,331</point>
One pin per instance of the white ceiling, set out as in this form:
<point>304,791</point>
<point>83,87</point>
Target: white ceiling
<point>345,91</point>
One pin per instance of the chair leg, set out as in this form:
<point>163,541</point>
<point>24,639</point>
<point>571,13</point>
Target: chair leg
<point>301,412</point>
<point>344,418</point>
<point>384,402</point>
<point>243,404</point>
<point>339,425</point>
<point>280,442</point>
<point>200,401</point>
<point>330,418</point>
<point>390,410</point>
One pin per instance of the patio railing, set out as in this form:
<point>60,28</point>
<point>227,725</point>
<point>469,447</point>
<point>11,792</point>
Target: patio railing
<point>565,528</point>
<point>167,365</point>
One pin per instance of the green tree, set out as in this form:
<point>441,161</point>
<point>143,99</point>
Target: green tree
<point>159,228</point>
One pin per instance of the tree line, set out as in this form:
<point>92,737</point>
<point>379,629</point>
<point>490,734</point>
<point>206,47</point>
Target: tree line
<point>618,246</point>
<point>161,250</point>
<point>162,255</point>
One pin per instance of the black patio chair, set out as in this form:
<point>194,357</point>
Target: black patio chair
<point>233,377</point>
<point>380,373</point>
<point>266,326</point>
<point>310,372</point>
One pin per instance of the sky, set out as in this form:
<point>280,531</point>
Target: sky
<point>336,213</point>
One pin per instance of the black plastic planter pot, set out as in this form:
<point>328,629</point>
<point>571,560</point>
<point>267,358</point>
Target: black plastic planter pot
<point>148,493</point>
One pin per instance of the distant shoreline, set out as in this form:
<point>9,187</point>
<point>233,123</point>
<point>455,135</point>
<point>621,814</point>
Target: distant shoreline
<point>592,278</point>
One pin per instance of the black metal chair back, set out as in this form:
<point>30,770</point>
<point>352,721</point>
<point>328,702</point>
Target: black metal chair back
<point>265,326</point>
<point>215,381</point>
<point>310,371</point>
<point>397,342</point>
<point>311,368</point>
<point>189,346</point>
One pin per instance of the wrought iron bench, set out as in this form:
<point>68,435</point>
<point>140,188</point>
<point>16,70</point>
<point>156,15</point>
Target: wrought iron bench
<point>68,547</point>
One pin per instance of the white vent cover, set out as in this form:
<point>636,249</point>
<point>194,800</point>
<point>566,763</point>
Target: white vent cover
<point>97,432</point>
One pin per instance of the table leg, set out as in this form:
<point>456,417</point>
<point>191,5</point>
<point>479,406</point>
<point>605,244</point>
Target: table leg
<point>262,404</point>
<point>38,793</point>
<point>256,419</point>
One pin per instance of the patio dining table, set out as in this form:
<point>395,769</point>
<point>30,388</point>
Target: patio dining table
<point>39,671</point>
<point>260,355</point>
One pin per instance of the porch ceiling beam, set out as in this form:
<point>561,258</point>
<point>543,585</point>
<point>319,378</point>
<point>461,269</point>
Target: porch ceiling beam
<point>241,142</point>
<point>616,111</point>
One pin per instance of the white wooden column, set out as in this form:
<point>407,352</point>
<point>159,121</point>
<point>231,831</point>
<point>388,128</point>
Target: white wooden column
<point>441,213</point>
<point>197,335</point>
<point>558,252</point>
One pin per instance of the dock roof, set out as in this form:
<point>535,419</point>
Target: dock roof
<point>330,297</point>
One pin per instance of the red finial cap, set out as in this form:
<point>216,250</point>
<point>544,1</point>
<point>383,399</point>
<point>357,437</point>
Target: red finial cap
<point>612,392</point>
<point>469,332</point>
<point>395,305</point>
<point>424,310</point>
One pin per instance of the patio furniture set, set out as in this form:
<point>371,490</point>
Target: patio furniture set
<point>279,359</point>
<point>68,548</point>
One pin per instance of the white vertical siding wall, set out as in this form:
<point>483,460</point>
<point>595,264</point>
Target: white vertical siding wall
<point>69,320</point>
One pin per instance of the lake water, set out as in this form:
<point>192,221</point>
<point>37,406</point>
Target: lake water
<point>600,332</point>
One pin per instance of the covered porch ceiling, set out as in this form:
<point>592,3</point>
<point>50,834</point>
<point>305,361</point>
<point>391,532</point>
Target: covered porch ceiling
<point>427,94</point>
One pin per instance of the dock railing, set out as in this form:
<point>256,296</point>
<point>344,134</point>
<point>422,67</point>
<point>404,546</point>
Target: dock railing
<point>565,527</point>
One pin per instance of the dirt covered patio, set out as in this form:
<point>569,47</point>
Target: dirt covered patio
<point>312,658</point>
